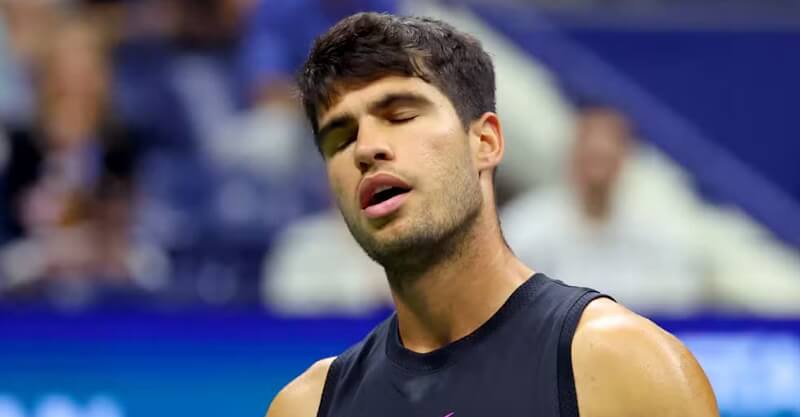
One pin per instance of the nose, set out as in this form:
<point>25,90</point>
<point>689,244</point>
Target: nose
<point>371,147</point>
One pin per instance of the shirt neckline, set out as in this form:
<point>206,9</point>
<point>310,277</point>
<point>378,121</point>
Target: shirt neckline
<point>446,355</point>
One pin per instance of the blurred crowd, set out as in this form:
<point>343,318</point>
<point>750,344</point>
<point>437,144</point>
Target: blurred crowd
<point>152,152</point>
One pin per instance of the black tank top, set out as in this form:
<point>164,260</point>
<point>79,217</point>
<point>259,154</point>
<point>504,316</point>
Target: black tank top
<point>517,364</point>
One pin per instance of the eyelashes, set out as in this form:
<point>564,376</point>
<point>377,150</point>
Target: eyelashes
<point>401,120</point>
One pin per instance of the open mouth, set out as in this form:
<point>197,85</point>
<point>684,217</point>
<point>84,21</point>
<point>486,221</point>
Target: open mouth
<point>384,193</point>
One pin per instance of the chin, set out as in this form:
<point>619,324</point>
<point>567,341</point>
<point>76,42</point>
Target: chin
<point>389,235</point>
<point>393,236</point>
<point>391,222</point>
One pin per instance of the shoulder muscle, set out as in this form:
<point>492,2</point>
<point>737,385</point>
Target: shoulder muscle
<point>301,397</point>
<point>625,365</point>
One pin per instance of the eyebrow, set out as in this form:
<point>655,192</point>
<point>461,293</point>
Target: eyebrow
<point>395,99</point>
<point>386,102</point>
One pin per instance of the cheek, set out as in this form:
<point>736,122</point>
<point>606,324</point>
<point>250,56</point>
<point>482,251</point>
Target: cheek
<point>439,143</point>
<point>448,154</point>
<point>342,182</point>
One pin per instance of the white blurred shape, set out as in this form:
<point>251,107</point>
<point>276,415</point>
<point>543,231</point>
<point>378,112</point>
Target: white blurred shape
<point>267,141</point>
<point>751,373</point>
<point>10,407</point>
<point>103,406</point>
<point>57,405</point>
<point>317,267</point>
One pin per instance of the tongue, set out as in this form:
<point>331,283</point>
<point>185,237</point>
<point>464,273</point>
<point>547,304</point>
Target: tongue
<point>386,194</point>
<point>387,206</point>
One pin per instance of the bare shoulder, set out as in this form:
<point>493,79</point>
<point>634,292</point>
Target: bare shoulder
<point>301,397</point>
<point>625,365</point>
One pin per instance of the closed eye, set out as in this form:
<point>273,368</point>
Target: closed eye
<point>401,119</point>
<point>338,140</point>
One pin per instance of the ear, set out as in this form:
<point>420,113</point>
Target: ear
<point>488,144</point>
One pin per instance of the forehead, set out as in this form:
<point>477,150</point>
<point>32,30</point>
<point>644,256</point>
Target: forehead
<point>605,120</point>
<point>356,100</point>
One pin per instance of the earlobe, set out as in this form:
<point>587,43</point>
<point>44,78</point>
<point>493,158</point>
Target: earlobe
<point>490,141</point>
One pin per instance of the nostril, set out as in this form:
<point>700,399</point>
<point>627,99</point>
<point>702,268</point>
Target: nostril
<point>381,156</point>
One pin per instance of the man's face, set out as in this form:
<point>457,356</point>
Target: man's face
<point>600,149</point>
<point>400,164</point>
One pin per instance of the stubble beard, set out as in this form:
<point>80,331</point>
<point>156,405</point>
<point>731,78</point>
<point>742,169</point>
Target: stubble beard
<point>430,236</point>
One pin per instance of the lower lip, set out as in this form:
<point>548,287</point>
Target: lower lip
<point>387,207</point>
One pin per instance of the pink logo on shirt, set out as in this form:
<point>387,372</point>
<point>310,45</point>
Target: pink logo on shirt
<point>450,415</point>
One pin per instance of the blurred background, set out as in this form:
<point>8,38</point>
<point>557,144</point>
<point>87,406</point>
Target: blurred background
<point>168,243</point>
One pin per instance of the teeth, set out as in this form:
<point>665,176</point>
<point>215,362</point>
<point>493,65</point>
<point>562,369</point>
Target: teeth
<point>381,188</point>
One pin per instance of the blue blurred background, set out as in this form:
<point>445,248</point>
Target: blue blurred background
<point>168,243</point>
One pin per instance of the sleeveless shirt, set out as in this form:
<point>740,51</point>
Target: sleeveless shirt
<point>517,364</point>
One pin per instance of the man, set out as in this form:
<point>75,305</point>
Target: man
<point>403,112</point>
<point>592,229</point>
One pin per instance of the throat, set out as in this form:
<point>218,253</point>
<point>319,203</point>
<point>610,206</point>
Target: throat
<point>462,283</point>
<point>447,310</point>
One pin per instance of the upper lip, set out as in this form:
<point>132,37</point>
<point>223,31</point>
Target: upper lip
<point>369,185</point>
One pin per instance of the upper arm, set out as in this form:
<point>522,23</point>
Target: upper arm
<point>624,365</point>
<point>301,397</point>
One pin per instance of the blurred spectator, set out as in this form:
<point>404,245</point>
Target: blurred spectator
<point>60,148</point>
<point>584,234</point>
<point>70,181</point>
<point>174,66</point>
<point>223,174</point>
<point>627,221</point>
<point>25,28</point>
<point>176,81</point>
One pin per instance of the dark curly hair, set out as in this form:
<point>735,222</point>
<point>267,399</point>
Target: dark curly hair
<point>365,47</point>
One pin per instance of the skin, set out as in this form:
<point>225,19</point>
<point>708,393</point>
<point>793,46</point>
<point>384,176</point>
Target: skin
<point>624,365</point>
<point>601,148</point>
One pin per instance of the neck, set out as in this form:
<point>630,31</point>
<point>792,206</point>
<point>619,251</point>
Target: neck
<point>596,204</point>
<point>460,291</point>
